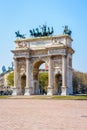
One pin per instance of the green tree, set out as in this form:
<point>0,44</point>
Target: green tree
<point>79,82</point>
<point>43,81</point>
<point>10,79</point>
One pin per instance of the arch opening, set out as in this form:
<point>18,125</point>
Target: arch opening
<point>23,84</point>
<point>40,77</point>
<point>58,84</point>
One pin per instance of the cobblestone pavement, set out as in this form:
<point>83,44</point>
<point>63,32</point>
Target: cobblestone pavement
<point>34,114</point>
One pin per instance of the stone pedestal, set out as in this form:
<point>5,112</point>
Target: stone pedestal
<point>50,91</point>
<point>27,91</point>
<point>14,91</point>
<point>64,91</point>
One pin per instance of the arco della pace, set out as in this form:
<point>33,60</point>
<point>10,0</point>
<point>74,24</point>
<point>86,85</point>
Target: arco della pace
<point>30,53</point>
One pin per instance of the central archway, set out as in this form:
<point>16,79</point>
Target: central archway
<point>38,84</point>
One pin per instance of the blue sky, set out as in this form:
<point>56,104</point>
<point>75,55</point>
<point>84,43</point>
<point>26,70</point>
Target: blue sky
<point>27,14</point>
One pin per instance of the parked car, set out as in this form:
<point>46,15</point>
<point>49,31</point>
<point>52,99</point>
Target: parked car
<point>7,91</point>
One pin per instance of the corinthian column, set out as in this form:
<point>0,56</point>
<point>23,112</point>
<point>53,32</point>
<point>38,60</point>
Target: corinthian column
<point>27,88</point>
<point>64,76</point>
<point>50,86</point>
<point>15,77</point>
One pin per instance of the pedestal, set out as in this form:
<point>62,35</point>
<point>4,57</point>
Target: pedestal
<point>14,91</point>
<point>50,91</point>
<point>64,91</point>
<point>27,91</point>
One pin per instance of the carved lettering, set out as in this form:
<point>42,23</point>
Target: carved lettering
<point>61,52</point>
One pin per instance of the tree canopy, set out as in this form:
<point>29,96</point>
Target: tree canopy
<point>43,81</point>
<point>79,82</point>
<point>10,79</point>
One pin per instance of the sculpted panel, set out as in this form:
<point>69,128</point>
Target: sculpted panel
<point>22,66</point>
<point>21,45</point>
<point>56,41</point>
<point>58,63</point>
<point>21,54</point>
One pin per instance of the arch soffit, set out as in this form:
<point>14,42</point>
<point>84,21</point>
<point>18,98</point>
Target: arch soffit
<point>38,61</point>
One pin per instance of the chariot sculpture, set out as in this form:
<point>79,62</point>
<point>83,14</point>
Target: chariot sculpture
<point>41,31</point>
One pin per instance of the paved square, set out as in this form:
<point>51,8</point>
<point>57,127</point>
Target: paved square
<point>34,114</point>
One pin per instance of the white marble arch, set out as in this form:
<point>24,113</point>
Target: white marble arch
<point>30,53</point>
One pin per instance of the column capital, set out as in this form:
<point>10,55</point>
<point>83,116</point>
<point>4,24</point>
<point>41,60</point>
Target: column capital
<point>15,58</point>
<point>64,56</point>
<point>27,58</point>
<point>50,56</point>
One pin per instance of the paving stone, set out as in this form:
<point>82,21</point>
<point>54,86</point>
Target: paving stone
<point>34,114</point>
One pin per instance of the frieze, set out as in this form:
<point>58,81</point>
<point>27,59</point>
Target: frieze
<point>40,43</point>
<point>21,54</point>
<point>39,52</point>
<point>58,51</point>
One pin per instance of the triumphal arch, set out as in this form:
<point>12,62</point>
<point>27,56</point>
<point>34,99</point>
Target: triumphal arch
<point>30,53</point>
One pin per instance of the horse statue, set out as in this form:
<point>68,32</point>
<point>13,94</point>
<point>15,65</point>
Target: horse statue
<point>67,31</point>
<point>19,35</point>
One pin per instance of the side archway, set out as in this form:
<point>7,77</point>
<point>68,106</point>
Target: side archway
<point>58,84</point>
<point>23,84</point>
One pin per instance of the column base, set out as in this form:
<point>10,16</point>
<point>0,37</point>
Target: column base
<point>27,91</point>
<point>19,92</point>
<point>14,91</point>
<point>64,91</point>
<point>50,91</point>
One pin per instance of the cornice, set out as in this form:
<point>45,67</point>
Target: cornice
<point>34,39</point>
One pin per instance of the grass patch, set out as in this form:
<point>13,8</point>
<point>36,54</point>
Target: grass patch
<point>55,97</point>
<point>80,97</point>
<point>5,97</point>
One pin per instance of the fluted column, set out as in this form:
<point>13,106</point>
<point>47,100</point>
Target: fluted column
<point>15,77</point>
<point>50,86</point>
<point>27,88</point>
<point>64,75</point>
